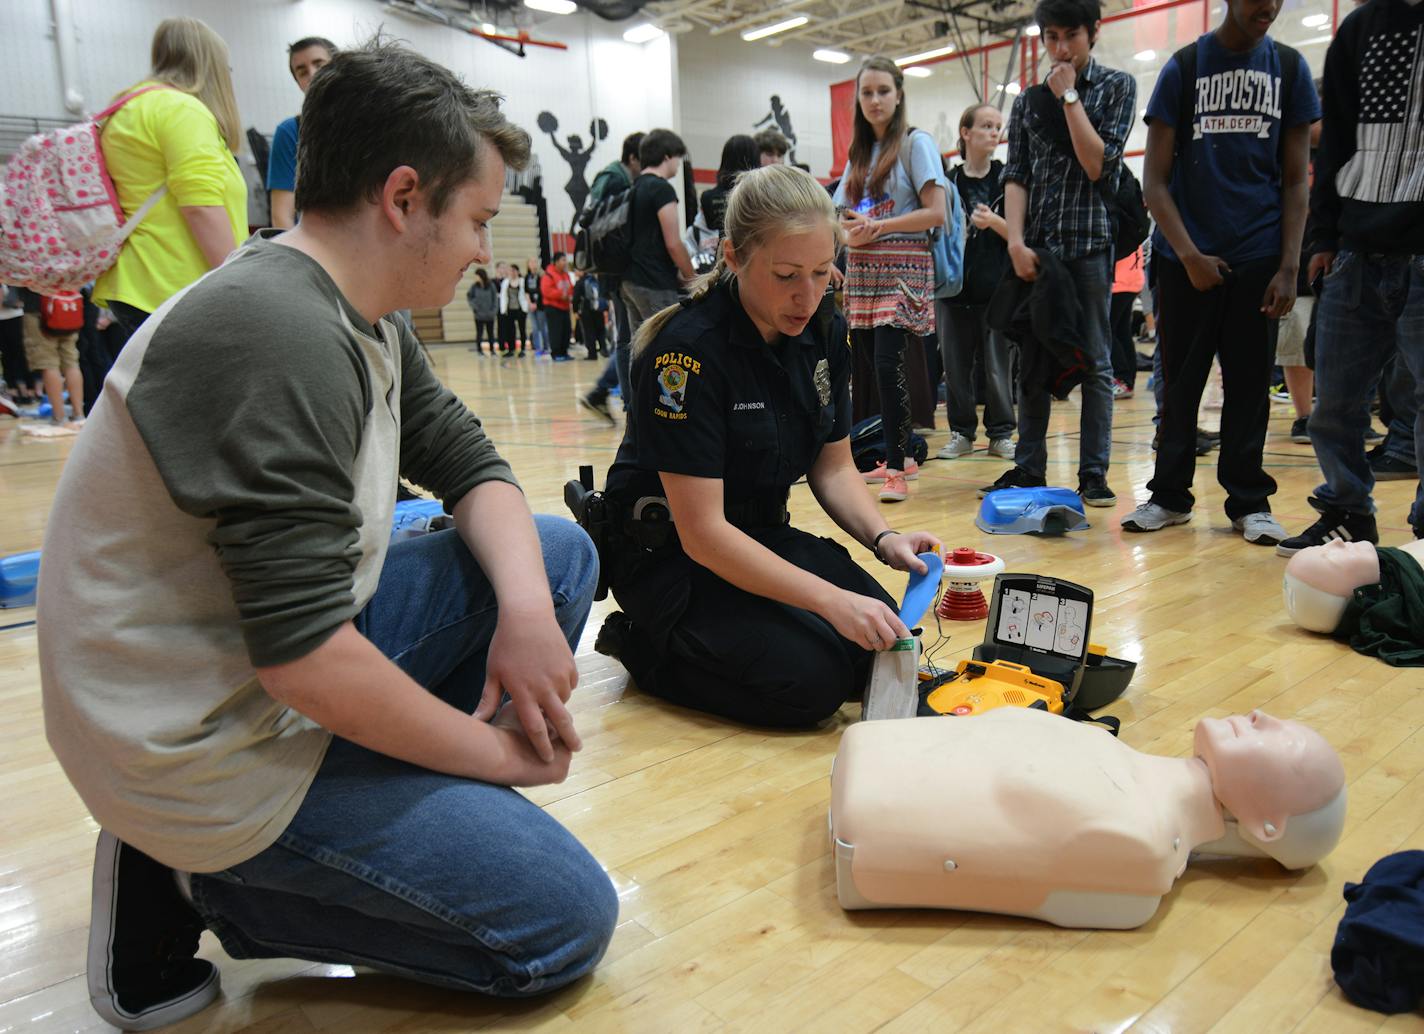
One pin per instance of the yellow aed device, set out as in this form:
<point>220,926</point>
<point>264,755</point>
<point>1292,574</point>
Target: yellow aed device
<point>979,686</point>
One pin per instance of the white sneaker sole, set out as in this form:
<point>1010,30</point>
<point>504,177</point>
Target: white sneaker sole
<point>100,957</point>
<point>1170,522</point>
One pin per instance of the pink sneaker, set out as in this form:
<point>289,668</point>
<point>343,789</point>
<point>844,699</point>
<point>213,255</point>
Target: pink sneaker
<point>896,488</point>
<point>910,473</point>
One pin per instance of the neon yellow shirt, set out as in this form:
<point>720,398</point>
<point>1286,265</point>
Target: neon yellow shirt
<point>166,136</point>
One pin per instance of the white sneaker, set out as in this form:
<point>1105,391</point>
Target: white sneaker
<point>1002,448</point>
<point>957,446</point>
<point>1151,517</point>
<point>1260,529</point>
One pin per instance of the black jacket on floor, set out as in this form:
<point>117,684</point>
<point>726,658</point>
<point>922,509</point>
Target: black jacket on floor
<point>1045,319</point>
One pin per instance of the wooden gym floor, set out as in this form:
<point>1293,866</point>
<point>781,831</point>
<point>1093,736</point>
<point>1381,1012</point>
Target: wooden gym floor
<point>716,835</point>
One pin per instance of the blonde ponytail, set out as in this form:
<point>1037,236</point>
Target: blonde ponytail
<point>765,204</point>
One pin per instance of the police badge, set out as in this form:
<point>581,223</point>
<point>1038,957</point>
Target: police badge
<point>822,379</point>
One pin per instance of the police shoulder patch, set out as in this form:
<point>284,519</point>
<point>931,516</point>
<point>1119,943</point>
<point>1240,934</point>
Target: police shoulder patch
<point>675,371</point>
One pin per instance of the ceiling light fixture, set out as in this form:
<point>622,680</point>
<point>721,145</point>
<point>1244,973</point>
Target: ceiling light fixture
<point>919,72</point>
<point>644,33</point>
<point>831,57</point>
<point>1315,21</point>
<point>552,6</point>
<point>750,35</point>
<point>1033,30</point>
<point>1141,55</point>
<point>489,30</point>
<point>916,58</point>
<point>1014,89</point>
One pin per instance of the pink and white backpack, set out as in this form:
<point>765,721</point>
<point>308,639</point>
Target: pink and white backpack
<point>60,221</point>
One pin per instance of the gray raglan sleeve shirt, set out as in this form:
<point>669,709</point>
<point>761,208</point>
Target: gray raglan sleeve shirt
<point>254,413</point>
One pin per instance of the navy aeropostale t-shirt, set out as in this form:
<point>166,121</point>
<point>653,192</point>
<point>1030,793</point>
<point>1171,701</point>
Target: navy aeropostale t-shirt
<point>1227,180</point>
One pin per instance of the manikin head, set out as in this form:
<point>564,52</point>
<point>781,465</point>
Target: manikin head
<point>1320,580</point>
<point>1271,776</point>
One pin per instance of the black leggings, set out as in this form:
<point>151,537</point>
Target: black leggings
<point>484,331</point>
<point>511,329</point>
<point>890,345</point>
<point>703,643</point>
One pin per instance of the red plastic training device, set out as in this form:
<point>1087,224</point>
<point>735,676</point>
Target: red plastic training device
<point>964,569</point>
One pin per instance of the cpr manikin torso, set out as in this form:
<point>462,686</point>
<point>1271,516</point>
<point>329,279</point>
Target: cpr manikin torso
<point>1320,580</point>
<point>1027,813</point>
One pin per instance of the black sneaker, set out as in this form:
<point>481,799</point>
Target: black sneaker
<point>1300,431</point>
<point>142,939</point>
<point>598,406</point>
<point>1014,477</point>
<point>1206,441</point>
<point>1333,524</point>
<point>1094,490</point>
<point>1387,468</point>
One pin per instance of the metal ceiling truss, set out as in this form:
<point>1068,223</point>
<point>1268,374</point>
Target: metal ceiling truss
<point>894,27</point>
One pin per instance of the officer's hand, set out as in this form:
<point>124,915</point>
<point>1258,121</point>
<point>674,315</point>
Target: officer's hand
<point>863,620</point>
<point>530,660</point>
<point>902,551</point>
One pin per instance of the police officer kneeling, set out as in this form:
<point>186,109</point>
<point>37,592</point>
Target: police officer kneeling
<point>736,395</point>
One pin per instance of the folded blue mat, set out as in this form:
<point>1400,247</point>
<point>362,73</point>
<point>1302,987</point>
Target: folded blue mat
<point>1031,511</point>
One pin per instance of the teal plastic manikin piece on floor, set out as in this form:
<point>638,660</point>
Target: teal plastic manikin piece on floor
<point>1031,511</point>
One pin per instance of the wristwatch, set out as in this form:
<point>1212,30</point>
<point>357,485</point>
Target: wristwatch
<point>1070,96</point>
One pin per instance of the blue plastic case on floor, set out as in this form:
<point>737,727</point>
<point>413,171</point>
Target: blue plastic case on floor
<point>18,575</point>
<point>1031,511</point>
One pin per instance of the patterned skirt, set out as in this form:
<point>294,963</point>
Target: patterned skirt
<point>891,283</point>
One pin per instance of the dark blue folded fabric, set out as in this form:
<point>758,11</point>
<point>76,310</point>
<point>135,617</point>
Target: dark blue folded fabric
<point>1378,957</point>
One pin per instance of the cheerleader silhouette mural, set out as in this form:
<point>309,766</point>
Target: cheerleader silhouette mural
<point>780,119</point>
<point>573,152</point>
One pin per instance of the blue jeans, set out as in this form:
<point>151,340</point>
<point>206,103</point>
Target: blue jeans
<point>539,331</point>
<point>1371,305</point>
<point>615,372</point>
<point>1399,389</point>
<point>445,880</point>
<point>1092,276</point>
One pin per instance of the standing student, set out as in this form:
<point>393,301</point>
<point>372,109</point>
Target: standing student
<point>1367,221</point>
<point>966,340</point>
<point>1228,190</point>
<point>181,136</point>
<point>739,154</point>
<point>614,177</point>
<point>483,297</point>
<point>660,263</point>
<point>513,309</point>
<point>304,58</point>
<point>1065,151</point>
<point>538,321</point>
<point>589,303</point>
<point>303,742</point>
<point>890,195</point>
<point>556,289</point>
<point>1129,277</point>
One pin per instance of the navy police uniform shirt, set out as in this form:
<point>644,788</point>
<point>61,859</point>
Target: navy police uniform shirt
<point>1227,180</point>
<point>712,399</point>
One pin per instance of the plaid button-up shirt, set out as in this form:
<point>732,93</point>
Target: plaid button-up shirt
<point>1066,213</point>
